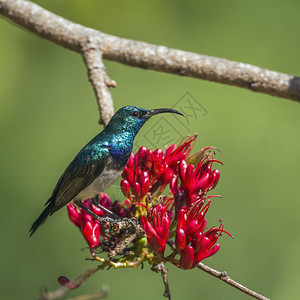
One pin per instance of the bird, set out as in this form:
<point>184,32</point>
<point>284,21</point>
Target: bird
<point>100,162</point>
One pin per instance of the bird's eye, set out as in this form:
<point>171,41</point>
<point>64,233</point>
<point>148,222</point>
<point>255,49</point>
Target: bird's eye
<point>135,114</point>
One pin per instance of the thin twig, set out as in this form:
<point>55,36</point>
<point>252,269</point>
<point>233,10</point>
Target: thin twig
<point>62,291</point>
<point>148,56</point>
<point>99,79</point>
<point>98,295</point>
<point>224,276</point>
<point>160,268</point>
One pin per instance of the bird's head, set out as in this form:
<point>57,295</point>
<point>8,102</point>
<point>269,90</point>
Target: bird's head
<point>132,118</point>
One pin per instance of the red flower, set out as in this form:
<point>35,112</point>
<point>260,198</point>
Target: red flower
<point>146,171</point>
<point>191,241</point>
<point>156,226</point>
<point>90,227</point>
<point>183,208</point>
<point>195,181</point>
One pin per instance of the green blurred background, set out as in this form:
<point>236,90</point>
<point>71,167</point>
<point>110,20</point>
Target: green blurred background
<point>48,112</point>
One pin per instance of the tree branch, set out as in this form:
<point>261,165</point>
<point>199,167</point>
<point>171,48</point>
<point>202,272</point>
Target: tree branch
<point>160,268</point>
<point>70,285</point>
<point>224,276</point>
<point>99,79</point>
<point>153,57</point>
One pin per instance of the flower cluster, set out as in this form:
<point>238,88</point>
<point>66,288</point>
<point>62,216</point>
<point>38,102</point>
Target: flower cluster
<point>166,193</point>
<point>191,240</point>
<point>89,226</point>
<point>148,170</point>
<point>157,225</point>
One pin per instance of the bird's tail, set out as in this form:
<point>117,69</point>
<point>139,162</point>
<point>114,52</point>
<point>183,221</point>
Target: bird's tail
<point>44,215</point>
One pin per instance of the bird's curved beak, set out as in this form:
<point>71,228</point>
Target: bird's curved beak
<point>152,112</point>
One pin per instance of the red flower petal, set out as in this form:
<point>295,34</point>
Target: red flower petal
<point>182,170</point>
<point>74,215</point>
<point>136,189</point>
<point>91,234</point>
<point>187,258</point>
<point>180,239</point>
<point>125,186</point>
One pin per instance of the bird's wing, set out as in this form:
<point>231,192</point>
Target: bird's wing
<point>79,174</point>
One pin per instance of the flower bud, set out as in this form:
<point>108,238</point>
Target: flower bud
<point>105,200</point>
<point>130,163</point>
<point>182,169</point>
<point>187,258</point>
<point>140,154</point>
<point>136,189</point>
<point>91,233</point>
<point>125,186</point>
<point>215,179</point>
<point>145,183</point>
<point>74,215</point>
<point>180,239</point>
<point>148,159</point>
<point>67,283</point>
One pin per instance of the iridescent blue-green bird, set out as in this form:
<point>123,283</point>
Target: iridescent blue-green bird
<point>100,162</point>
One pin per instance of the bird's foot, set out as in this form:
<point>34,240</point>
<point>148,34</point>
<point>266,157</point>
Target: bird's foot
<point>95,201</point>
<point>113,225</point>
<point>100,219</point>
